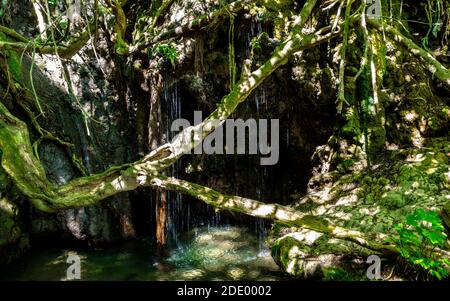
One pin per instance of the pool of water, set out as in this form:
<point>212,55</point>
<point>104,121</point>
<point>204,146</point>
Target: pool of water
<point>219,253</point>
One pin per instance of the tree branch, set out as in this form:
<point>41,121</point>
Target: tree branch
<point>64,51</point>
<point>27,172</point>
<point>120,25</point>
<point>284,215</point>
<point>432,64</point>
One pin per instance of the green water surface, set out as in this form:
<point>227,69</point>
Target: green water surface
<point>219,253</point>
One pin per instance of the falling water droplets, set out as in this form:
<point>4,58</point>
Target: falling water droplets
<point>177,221</point>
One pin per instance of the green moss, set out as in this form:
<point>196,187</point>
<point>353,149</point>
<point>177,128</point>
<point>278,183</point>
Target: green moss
<point>353,126</point>
<point>121,46</point>
<point>13,241</point>
<point>13,61</point>
<point>393,200</point>
<point>284,251</point>
<point>277,5</point>
<point>372,201</point>
<point>340,274</point>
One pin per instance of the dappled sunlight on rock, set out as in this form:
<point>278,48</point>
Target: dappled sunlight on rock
<point>192,274</point>
<point>236,273</point>
<point>372,201</point>
<point>118,184</point>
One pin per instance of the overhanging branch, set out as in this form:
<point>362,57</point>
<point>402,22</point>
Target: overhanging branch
<point>64,51</point>
<point>288,216</point>
<point>27,172</point>
<point>282,214</point>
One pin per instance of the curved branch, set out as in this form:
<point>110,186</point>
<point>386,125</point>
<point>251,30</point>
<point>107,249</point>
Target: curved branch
<point>284,215</point>
<point>26,170</point>
<point>64,51</point>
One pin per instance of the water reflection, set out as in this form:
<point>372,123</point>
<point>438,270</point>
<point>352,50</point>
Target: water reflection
<point>217,253</point>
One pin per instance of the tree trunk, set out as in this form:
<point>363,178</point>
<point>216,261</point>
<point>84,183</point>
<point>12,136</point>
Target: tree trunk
<point>161,222</point>
<point>155,139</point>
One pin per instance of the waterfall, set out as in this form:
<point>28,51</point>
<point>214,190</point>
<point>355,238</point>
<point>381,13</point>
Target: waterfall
<point>177,220</point>
<point>260,103</point>
<point>181,216</point>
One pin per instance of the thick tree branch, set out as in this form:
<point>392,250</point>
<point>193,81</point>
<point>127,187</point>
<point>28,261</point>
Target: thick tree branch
<point>161,9</point>
<point>64,51</point>
<point>288,216</point>
<point>13,34</point>
<point>120,25</point>
<point>282,214</point>
<point>27,172</point>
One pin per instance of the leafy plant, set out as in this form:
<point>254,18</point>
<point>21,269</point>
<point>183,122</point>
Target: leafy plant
<point>63,24</point>
<point>3,4</point>
<point>168,52</point>
<point>421,233</point>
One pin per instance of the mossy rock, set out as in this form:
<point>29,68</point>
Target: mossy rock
<point>309,254</point>
<point>446,215</point>
<point>370,201</point>
<point>13,241</point>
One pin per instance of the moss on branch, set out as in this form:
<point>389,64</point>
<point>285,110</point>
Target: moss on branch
<point>432,64</point>
<point>65,51</point>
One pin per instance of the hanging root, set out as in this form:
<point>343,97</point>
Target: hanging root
<point>431,63</point>
<point>18,93</point>
<point>231,54</point>
<point>341,92</point>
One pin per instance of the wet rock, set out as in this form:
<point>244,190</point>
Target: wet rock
<point>371,201</point>
<point>14,240</point>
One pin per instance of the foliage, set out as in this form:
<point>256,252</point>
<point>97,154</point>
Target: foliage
<point>339,274</point>
<point>418,236</point>
<point>3,4</point>
<point>53,2</point>
<point>167,51</point>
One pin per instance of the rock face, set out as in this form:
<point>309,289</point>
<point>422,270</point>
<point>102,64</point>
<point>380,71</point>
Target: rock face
<point>373,200</point>
<point>347,190</point>
<point>84,103</point>
<point>14,241</point>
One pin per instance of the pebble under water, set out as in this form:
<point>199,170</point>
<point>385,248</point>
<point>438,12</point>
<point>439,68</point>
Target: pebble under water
<point>209,253</point>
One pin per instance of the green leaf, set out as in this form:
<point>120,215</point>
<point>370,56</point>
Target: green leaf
<point>436,28</point>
